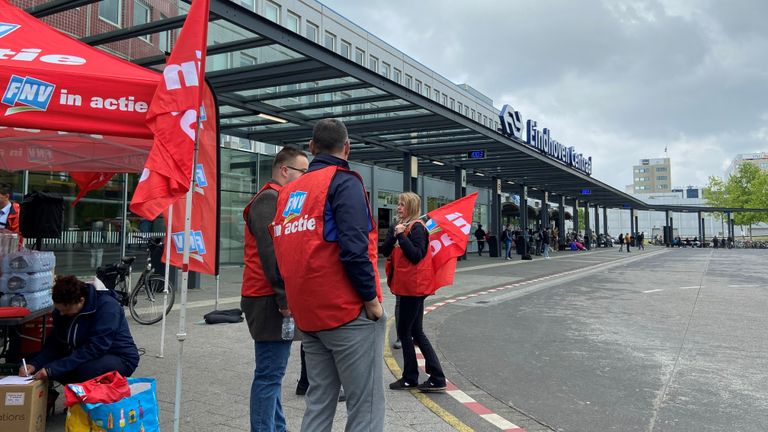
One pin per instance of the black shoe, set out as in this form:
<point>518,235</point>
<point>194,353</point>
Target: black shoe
<point>397,344</point>
<point>402,384</point>
<point>430,386</point>
<point>301,389</point>
<point>342,396</point>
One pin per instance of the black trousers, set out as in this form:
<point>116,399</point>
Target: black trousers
<point>410,331</point>
<point>480,247</point>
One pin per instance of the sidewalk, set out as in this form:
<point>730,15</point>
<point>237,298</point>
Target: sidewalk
<point>218,359</point>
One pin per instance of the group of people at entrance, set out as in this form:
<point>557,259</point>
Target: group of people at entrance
<point>311,256</point>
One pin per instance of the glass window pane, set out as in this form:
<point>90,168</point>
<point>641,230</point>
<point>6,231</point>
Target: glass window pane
<point>360,56</point>
<point>272,12</point>
<point>110,10</point>
<point>346,49</point>
<point>292,22</point>
<point>312,31</point>
<point>373,64</point>
<point>330,41</point>
<point>385,69</point>
<point>396,75</point>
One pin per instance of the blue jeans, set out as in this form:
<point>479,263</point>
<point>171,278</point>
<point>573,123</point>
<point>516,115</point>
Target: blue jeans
<point>266,409</point>
<point>508,246</point>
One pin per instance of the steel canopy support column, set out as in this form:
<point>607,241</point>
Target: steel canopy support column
<point>576,216</point>
<point>561,217</point>
<point>410,173</point>
<point>701,227</point>
<point>703,231</point>
<point>495,229</point>
<point>545,211</point>
<point>631,222</point>
<point>587,227</point>
<point>667,232</point>
<point>523,193</point>
<point>605,220</point>
<point>460,190</point>
<point>597,224</point>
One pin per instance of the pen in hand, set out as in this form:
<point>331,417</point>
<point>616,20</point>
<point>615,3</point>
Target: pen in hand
<point>26,371</point>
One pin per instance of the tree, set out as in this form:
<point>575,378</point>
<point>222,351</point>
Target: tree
<point>745,189</point>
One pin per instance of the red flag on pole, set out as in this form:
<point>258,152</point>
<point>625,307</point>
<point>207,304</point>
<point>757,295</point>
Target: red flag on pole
<point>204,200</point>
<point>172,117</point>
<point>449,228</point>
<point>88,181</point>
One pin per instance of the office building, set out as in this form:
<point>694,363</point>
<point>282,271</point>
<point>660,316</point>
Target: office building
<point>760,160</point>
<point>652,175</point>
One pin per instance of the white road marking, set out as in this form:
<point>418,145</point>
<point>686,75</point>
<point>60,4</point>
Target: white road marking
<point>652,291</point>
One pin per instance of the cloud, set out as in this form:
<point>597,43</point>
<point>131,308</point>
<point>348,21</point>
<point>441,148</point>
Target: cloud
<point>618,79</point>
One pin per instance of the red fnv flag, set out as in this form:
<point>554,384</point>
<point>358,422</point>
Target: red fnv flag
<point>449,228</point>
<point>172,116</point>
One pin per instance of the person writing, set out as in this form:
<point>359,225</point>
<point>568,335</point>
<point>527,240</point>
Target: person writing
<point>90,336</point>
<point>410,276</point>
<point>263,294</point>
<point>326,246</point>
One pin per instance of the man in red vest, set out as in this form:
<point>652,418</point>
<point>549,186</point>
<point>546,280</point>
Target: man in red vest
<point>326,247</point>
<point>263,294</point>
<point>9,211</point>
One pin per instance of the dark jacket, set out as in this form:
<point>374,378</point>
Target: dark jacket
<point>347,220</point>
<point>100,328</point>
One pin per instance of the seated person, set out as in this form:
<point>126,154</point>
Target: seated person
<point>90,336</point>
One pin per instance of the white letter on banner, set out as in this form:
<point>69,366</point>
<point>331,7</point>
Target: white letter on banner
<point>458,220</point>
<point>187,123</point>
<point>436,246</point>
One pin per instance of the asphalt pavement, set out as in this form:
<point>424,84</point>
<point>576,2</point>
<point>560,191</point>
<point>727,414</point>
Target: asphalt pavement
<point>663,340</point>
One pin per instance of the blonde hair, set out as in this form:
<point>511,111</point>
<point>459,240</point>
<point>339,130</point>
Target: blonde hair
<point>412,205</point>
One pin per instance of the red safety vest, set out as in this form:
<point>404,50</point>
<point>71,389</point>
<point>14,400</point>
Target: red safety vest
<point>406,278</point>
<point>255,283</point>
<point>12,223</point>
<point>320,294</point>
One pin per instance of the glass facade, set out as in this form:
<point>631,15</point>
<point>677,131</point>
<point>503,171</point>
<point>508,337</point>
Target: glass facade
<point>93,228</point>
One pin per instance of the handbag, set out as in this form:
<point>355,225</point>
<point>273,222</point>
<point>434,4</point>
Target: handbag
<point>136,413</point>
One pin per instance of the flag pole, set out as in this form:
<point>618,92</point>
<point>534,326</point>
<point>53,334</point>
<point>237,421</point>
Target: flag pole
<point>168,229</point>
<point>182,334</point>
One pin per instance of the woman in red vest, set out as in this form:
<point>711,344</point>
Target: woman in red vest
<point>410,276</point>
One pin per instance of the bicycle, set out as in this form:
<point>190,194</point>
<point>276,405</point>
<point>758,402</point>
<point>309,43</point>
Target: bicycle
<point>145,300</point>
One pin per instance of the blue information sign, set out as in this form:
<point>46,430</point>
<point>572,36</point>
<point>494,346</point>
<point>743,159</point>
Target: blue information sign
<point>476,154</point>
<point>586,192</point>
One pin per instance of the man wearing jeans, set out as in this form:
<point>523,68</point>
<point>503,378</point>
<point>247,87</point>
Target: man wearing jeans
<point>263,295</point>
<point>326,247</point>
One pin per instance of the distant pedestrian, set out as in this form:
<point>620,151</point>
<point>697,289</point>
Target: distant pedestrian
<point>641,240</point>
<point>545,239</point>
<point>506,239</point>
<point>621,242</point>
<point>480,236</point>
<point>628,240</point>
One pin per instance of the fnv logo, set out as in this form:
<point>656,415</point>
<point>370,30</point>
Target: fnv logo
<point>6,28</point>
<point>294,205</point>
<point>196,244</point>
<point>31,93</point>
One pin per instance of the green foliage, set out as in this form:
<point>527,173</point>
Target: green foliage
<point>748,188</point>
<point>582,227</point>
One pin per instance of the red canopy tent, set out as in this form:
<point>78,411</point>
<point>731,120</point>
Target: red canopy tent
<point>67,106</point>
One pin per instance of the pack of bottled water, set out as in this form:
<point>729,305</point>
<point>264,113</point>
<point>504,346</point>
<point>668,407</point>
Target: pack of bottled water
<point>12,283</point>
<point>32,301</point>
<point>28,261</point>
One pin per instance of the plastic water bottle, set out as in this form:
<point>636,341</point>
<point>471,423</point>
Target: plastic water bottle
<point>288,327</point>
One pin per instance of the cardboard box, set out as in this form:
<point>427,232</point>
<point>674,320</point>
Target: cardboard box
<point>23,407</point>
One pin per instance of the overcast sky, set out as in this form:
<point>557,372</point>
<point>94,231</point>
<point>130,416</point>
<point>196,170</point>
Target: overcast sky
<point>617,79</point>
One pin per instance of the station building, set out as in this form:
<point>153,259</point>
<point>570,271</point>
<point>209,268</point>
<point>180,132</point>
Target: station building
<point>279,65</point>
